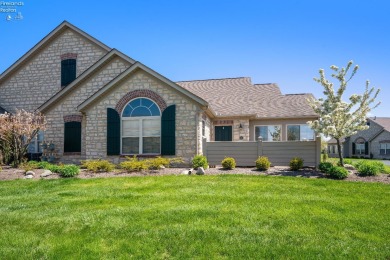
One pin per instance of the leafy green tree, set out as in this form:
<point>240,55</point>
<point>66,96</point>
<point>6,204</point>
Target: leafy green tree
<point>338,118</point>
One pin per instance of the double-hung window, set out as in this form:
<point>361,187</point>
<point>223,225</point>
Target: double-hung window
<point>360,148</point>
<point>385,148</point>
<point>141,127</point>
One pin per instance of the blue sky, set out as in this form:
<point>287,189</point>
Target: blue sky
<point>283,42</point>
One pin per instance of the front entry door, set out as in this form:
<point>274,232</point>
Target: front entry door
<point>223,133</point>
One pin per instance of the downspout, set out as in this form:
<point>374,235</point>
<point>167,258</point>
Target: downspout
<point>196,132</point>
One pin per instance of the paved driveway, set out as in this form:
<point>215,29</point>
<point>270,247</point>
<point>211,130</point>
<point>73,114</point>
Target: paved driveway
<point>386,162</point>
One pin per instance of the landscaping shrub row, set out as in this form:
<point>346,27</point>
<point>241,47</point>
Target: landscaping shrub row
<point>363,167</point>
<point>131,164</point>
<point>64,170</point>
<point>262,163</point>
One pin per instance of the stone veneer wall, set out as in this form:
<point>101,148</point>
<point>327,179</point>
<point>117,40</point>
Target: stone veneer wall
<point>68,106</point>
<point>186,116</point>
<point>244,132</point>
<point>40,78</point>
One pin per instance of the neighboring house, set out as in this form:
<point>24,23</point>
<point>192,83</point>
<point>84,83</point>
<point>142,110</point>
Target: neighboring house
<point>371,143</point>
<point>333,151</point>
<point>100,103</point>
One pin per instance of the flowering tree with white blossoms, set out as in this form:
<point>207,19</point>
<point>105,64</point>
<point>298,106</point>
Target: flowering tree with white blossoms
<point>16,132</point>
<point>339,119</point>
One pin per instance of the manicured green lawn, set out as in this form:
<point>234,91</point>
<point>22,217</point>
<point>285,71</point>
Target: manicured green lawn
<point>206,217</point>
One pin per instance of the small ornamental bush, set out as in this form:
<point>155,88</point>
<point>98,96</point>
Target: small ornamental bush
<point>367,168</point>
<point>228,163</point>
<point>348,161</point>
<point>53,168</point>
<point>325,167</point>
<point>262,163</point>
<point>43,165</point>
<point>28,166</point>
<point>296,163</point>
<point>97,165</point>
<point>68,170</point>
<point>199,161</point>
<point>133,164</point>
<point>338,172</point>
<point>157,162</point>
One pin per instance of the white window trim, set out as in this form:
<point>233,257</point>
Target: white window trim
<point>203,124</point>
<point>387,147</point>
<point>140,137</point>
<point>287,125</point>
<point>356,149</point>
<point>281,132</point>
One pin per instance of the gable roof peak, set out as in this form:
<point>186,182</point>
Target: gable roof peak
<point>382,121</point>
<point>42,43</point>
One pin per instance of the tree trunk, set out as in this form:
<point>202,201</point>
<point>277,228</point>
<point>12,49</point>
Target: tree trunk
<point>340,153</point>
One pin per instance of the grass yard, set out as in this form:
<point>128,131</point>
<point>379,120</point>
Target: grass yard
<point>355,160</point>
<point>206,217</point>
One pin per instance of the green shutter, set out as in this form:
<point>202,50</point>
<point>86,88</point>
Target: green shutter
<point>72,142</point>
<point>353,148</point>
<point>366,148</point>
<point>68,71</point>
<point>168,139</point>
<point>113,132</point>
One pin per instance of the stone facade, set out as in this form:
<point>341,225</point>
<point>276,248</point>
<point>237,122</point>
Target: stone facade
<point>40,78</point>
<point>241,133</point>
<point>187,112</point>
<point>67,106</point>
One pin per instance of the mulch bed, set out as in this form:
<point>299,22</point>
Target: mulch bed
<point>11,173</point>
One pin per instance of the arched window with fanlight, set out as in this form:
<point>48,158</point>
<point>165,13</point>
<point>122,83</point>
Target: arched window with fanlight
<point>141,127</point>
<point>360,146</point>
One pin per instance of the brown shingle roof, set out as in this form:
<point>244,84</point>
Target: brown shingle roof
<point>238,96</point>
<point>333,141</point>
<point>382,121</point>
